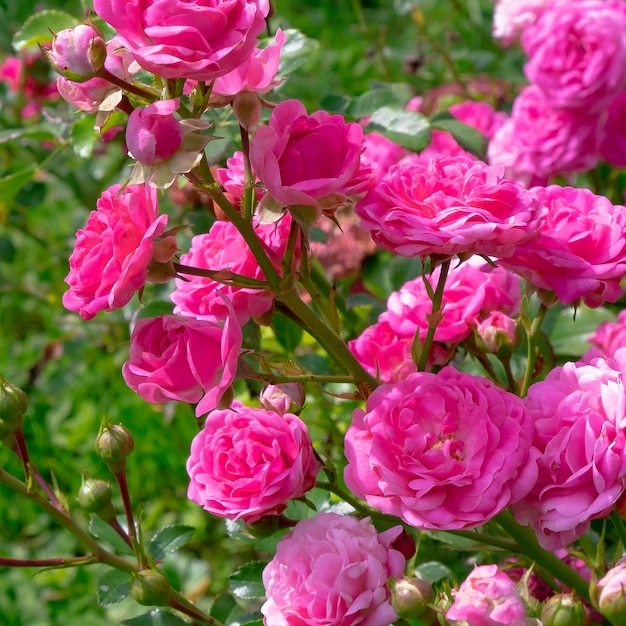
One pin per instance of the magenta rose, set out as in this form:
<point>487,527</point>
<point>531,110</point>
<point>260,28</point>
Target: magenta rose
<point>577,54</point>
<point>449,205</point>
<point>112,253</point>
<point>332,569</point>
<point>247,463</point>
<point>443,451</point>
<point>578,412</point>
<point>191,361</point>
<point>223,248</point>
<point>488,597</point>
<point>187,38</point>
<point>581,252</point>
<point>607,339</point>
<point>310,160</point>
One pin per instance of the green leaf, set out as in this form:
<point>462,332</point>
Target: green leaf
<point>39,28</point>
<point>7,250</point>
<point>407,128</point>
<point>169,539</point>
<point>287,332</point>
<point>83,136</point>
<point>335,103</point>
<point>156,617</point>
<point>113,587</point>
<point>434,571</point>
<point>154,309</point>
<point>249,619</point>
<point>10,186</point>
<point>222,607</point>
<point>296,52</point>
<point>246,582</point>
<point>468,137</point>
<point>38,133</point>
<point>101,530</point>
<point>389,95</point>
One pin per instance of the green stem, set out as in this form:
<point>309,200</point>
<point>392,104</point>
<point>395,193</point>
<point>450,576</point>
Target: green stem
<point>531,357</point>
<point>225,277</point>
<point>61,562</point>
<point>247,202</point>
<point>435,316</point>
<point>529,547</point>
<point>618,524</point>
<point>308,378</point>
<point>126,86</point>
<point>488,540</point>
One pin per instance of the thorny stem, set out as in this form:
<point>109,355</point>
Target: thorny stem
<point>61,562</point>
<point>122,484</point>
<point>221,276</point>
<point>126,86</point>
<point>247,202</point>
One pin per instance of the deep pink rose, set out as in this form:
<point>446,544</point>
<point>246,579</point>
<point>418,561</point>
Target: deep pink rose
<point>172,358</point>
<point>332,569</point>
<point>539,141</point>
<point>443,451</point>
<point>153,133</point>
<point>381,153</point>
<point>613,145</point>
<point>579,412</point>
<point>473,290</point>
<point>187,38</point>
<point>223,248</point>
<point>79,52</point>
<point>488,597</point>
<point>449,205</point>
<point>311,160</point>
<point>577,54</point>
<point>581,253</point>
<point>247,463</point>
<point>608,338</point>
<point>112,253</point>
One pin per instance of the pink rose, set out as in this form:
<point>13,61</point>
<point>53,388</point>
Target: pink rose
<point>577,54</point>
<point>233,177</point>
<point>581,253</point>
<point>283,398</point>
<point>381,153</point>
<point>608,338</point>
<point>539,141</point>
<point>310,160</point>
<point>186,360</point>
<point>187,38</point>
<point>112,253</point>
<point>449,205</point>
<point>78,53</point>
<point>497,333</point>
<point>443,451</point>
<point>332,569</point>
<point>247,463</point>
<point>473,290</point>
<point>488,597</point>
<point>223,248</point>
<point>580,431</point>
<point>613,145</point>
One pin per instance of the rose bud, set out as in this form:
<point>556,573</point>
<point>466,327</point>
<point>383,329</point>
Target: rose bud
<point>113,444</point>
<point>13,405</point>
<point>151,587</point>
<point>94,496</point>
<point>612,595</point>
<point>563,610</point>
<point>411,596</point>
<point>78,53</point>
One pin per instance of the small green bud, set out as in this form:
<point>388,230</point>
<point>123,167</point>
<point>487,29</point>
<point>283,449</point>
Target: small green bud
<point>563,610</point>
<point>94,496</point>
<point>113,444</point>
<point>13,405</point>
<point>151,587</point>
<point>411,596</point>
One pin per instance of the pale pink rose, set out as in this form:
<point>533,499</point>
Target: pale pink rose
<point>539,141</point>
<point>473,290</point>
<point>611,593</point>
<point>187,38</point>
<point>613,145</point>
<point>98,93</point>
<point>247,463</point>
<point>223,248</point>
<point>444,451</point>
<point>332,569</point>
<point>608,338</point>
<point>447,206</point>
<point>283,398</point>
<point>112,253</point>
<point>488,597</point>
<point>78,53</point>
<point>577,54</point>
<point>310,160</point>
<point>172,358</point>
<point>581,253</point>
<point>579,412</point>
<point>511,17</point>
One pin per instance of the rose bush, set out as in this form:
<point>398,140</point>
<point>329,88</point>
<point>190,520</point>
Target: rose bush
<point>186,360</point>
<point>247,463</point>
<point>443,451</point>
<point>332,569</point>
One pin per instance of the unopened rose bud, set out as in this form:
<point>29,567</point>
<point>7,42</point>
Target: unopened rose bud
<point>497,334</point>
<point>94,496</point>
<point>247,109</point>
<point>78,53</point>
<point>283,398</point>
<point>563,610</point>
<point>411,596</point>
<point>150,587</point>
<point>13,405</point>
<point>113,445</point>
<point>611,591</point>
